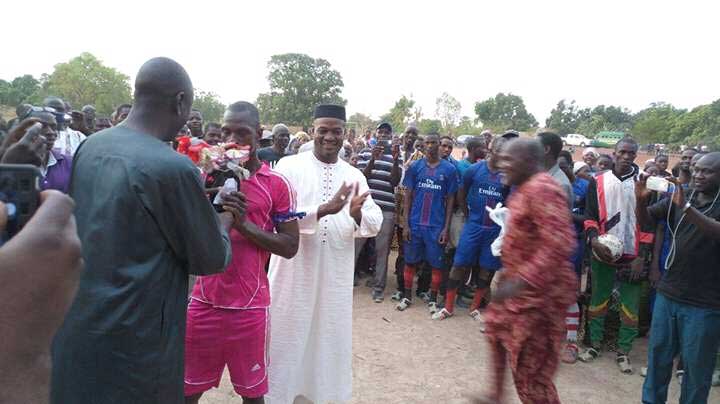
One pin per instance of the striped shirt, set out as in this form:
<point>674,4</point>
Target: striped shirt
<point>382,191</point>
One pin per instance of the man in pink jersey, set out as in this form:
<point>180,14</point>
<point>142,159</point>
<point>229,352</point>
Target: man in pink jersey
<point>227,321</point>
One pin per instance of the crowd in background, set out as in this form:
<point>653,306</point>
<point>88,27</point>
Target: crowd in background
<point>445,239</point>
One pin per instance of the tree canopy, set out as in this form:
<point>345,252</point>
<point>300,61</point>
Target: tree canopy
<point>400,114</point>
<point>85,80</point>
<point>298,83</point>
<point>209,105</point>
<point>361,122</point>
<point>504,111</point>
<point>447,110</point>
<point>21,90</point>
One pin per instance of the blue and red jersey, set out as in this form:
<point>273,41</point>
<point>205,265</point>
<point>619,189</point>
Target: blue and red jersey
<point>483,188</point>
<point>431,187</point>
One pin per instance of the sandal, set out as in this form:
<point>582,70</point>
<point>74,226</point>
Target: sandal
<point>570,353</point>
<point>589,355</point>
<point>623,363</point>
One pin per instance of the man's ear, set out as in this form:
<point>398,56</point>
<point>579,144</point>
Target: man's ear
<point>179,99</point>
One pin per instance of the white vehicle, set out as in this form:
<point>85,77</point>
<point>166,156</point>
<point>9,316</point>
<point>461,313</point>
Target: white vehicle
<point>574,139</point>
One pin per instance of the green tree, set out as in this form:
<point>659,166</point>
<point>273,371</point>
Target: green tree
<point>654,124</point>
<point>426,126</point>
<point>466,126</point>
<point>362,122</point>
<point>298,83</point>
<point>85,80</point>
<point>699,126</point>
<point>447,109</point>
<point>400,114</point>
<point>565,117</point>
<point>209,105</point>
<point>504,112</point>
<point>613,118</point>
<point>22,89</point>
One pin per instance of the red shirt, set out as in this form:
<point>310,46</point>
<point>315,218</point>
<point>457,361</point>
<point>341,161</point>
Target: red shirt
<point>244,284</point>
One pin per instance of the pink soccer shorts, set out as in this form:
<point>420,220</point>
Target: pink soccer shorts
<point>217,337</point>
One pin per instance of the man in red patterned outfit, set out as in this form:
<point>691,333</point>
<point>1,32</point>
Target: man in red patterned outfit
<point>526,320</point>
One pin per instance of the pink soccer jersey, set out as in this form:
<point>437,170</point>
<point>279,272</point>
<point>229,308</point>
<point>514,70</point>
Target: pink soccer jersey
<point>244,284</point>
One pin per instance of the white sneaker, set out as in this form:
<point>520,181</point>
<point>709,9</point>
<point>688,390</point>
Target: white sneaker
<point>432,307</point>
<point>643,371</point>
<point>441,315</point>
<point>425,296</point>
<point>404,304</point>
<point>397,296</point>
<point>716,378</point>
<point>477,316</point>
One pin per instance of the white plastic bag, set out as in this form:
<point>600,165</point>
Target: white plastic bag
<point>230,186</point>
<point>500,215</point>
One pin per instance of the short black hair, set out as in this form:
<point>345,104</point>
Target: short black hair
<point>244,106</point>
<point>552,140</point>
<point>474,142</point>
<point>567,155</point>
<point>627,140</point>
<point>607,156</point>
<point>447,137</point>
<point>122,106</point>
<point>662,155</point>
<point>212,125</point>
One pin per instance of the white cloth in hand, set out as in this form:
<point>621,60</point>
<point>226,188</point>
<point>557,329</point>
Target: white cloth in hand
<point>500,215</point>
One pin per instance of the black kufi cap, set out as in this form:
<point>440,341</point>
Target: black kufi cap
<point>330,111</point>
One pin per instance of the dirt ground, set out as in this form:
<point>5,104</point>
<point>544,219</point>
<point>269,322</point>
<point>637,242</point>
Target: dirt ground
<point>404,357</point>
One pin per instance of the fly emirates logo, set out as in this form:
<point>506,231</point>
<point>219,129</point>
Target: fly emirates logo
<point>490,191</point>
<point>430,184</point>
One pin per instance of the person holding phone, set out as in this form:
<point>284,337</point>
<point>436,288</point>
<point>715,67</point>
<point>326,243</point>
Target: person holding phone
<point>68,140</point>
<point>686,313</point>
<point>39,271</point>
<point>34,138</point>
<point>382,166</point>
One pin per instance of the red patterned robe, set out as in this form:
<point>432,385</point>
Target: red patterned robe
<point>528,329</point>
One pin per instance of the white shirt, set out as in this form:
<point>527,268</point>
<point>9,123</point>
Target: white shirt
<point>68,141</point>
<point>312,293</point>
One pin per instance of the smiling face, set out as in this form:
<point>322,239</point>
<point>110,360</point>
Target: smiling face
<point>590,159</point>
<point>511,164</point>
<point>242,129</point>
<point>706,174</point>
<point>329,137</point>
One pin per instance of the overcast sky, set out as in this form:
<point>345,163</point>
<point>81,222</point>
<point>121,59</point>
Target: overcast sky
<point>629,52</point>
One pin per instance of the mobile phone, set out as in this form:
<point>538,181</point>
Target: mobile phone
<point>20,192</point>
<point>658,184</point>
<point>387,147</point>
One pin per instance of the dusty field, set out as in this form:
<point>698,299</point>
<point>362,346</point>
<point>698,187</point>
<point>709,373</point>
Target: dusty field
<point>407,358</point>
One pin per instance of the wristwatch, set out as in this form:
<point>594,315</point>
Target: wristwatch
<point>686,207</point>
